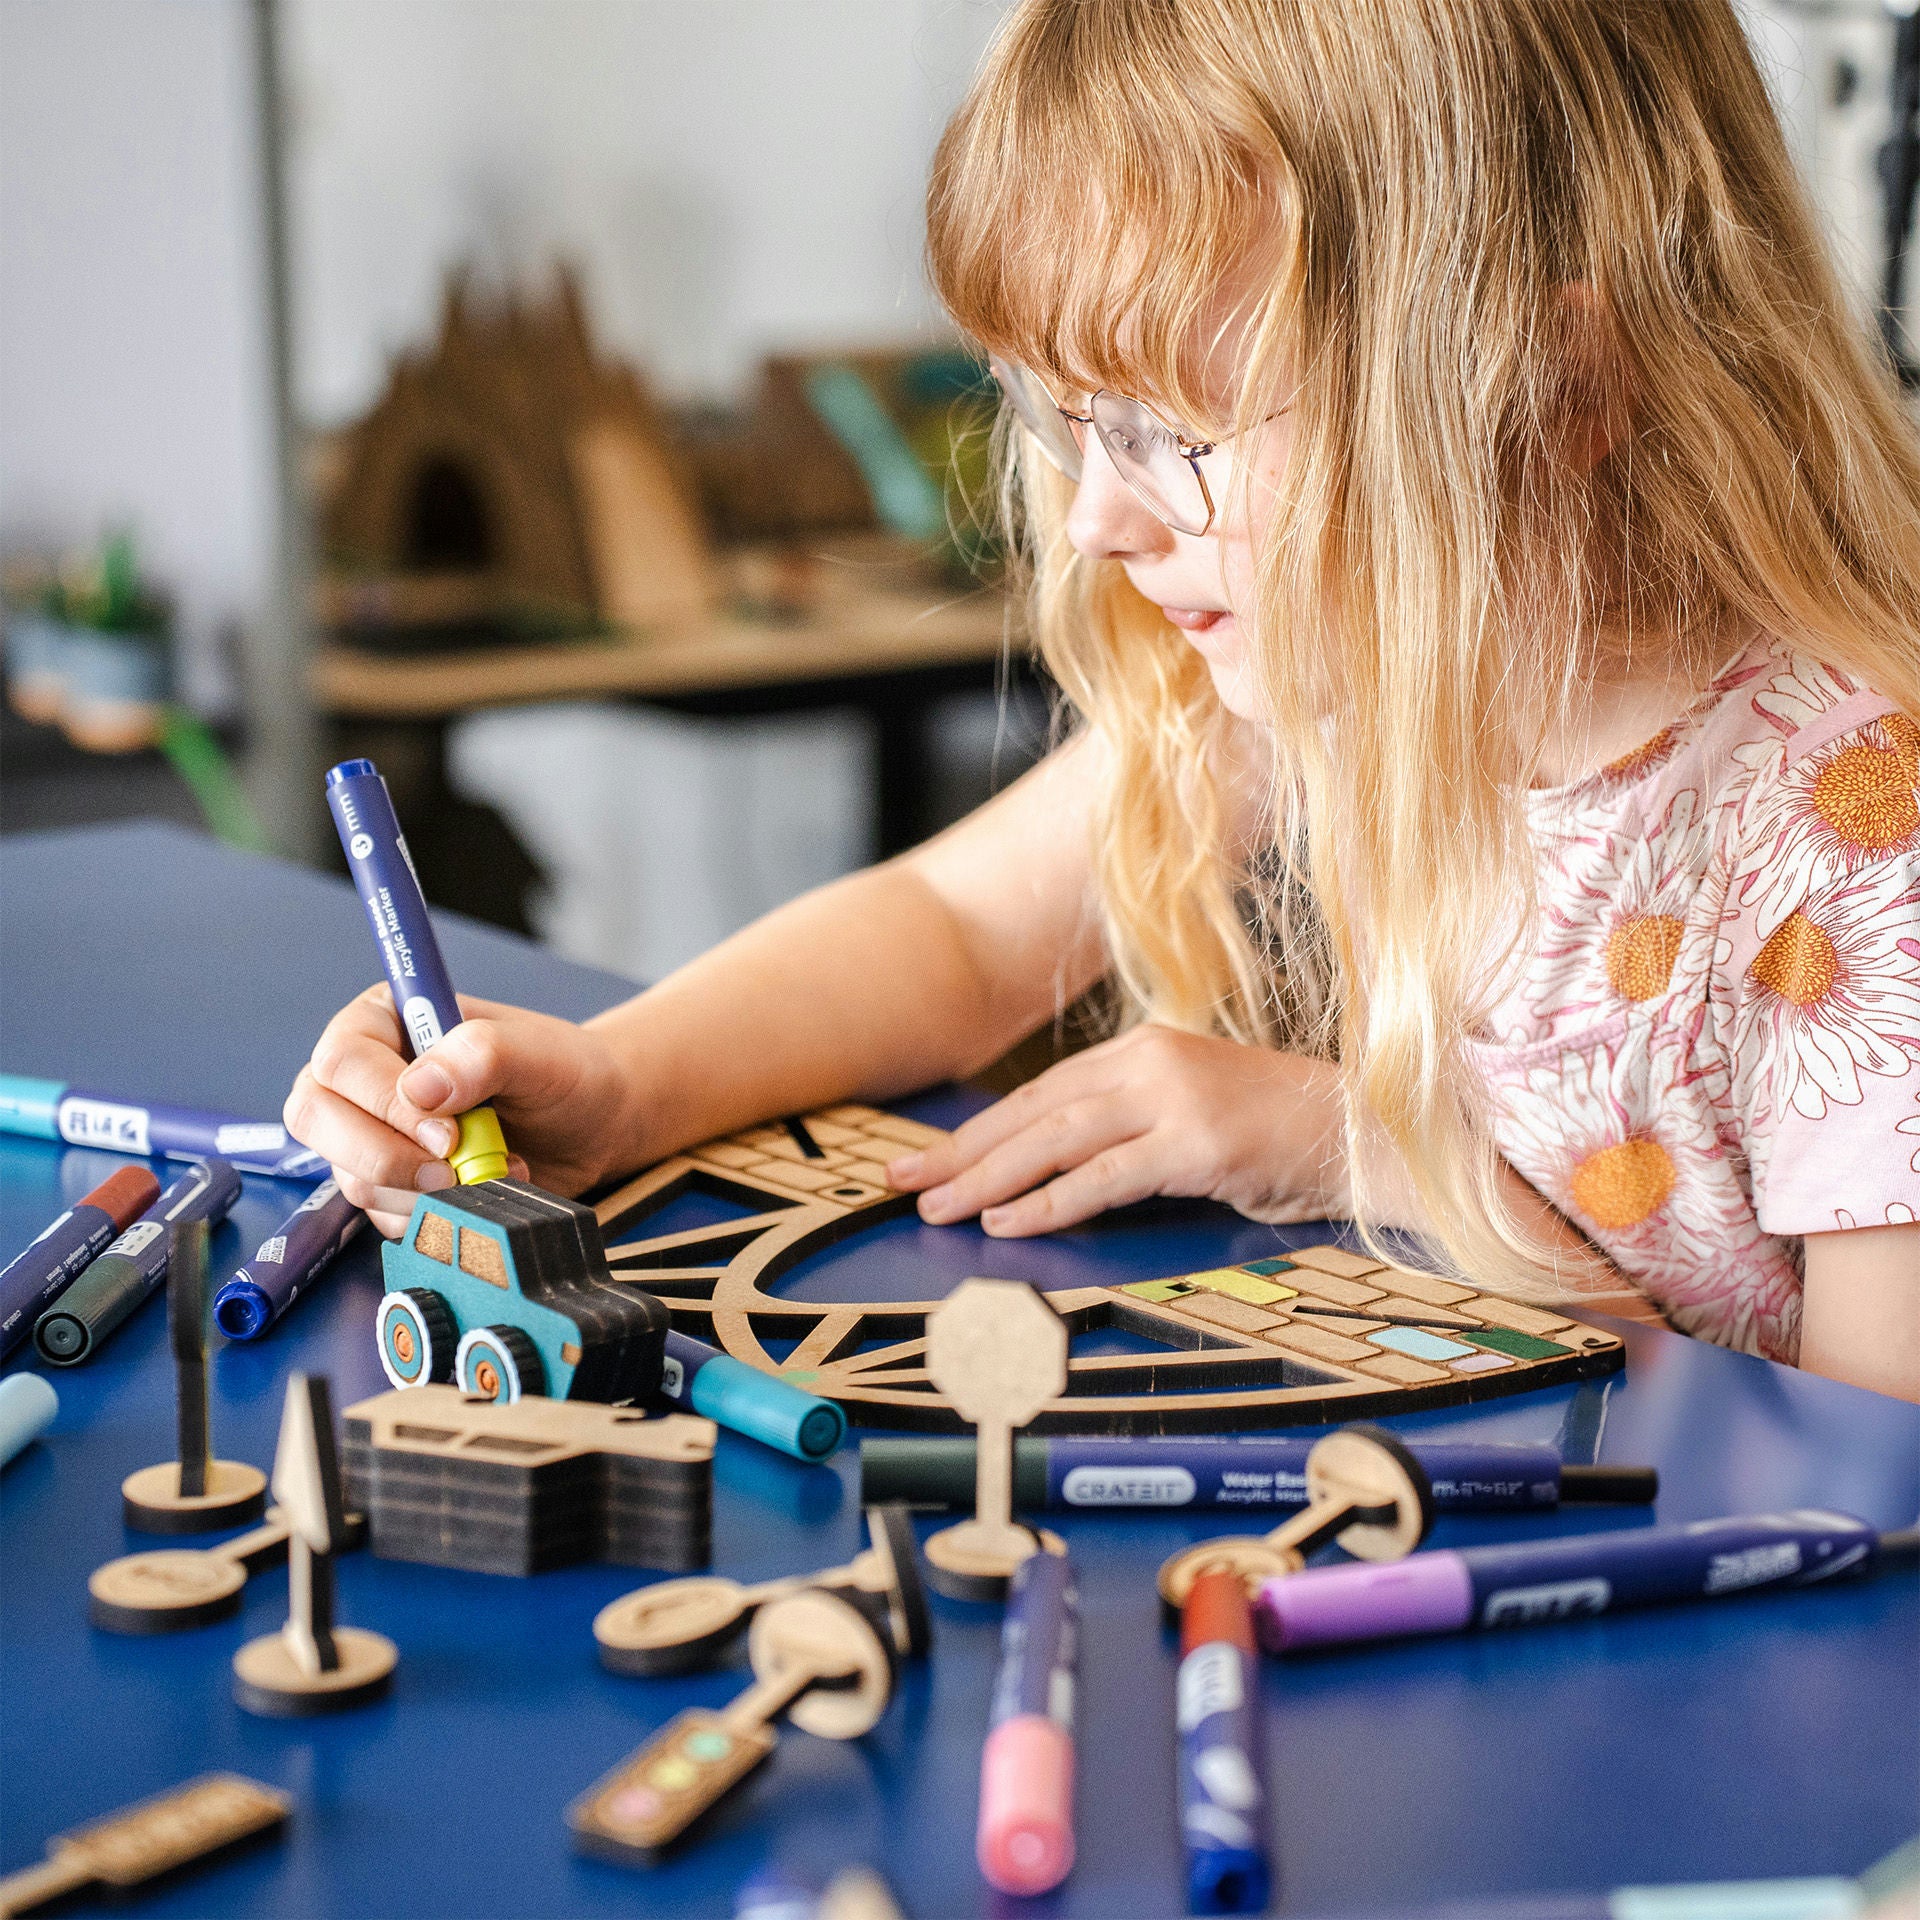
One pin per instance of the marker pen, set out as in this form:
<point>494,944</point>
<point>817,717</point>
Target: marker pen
<point>52,1110</point>
<point>27,1406</point>
<point>1223,1803</point>
<point>1261,1475</point>
<point>701,1379</point>
<point>1548,1580</point>
<point>1025,1838</point>
<point>287,1263</point>
<point>423,996</point>
<point>41,1272</point>
<point>133,1266</point>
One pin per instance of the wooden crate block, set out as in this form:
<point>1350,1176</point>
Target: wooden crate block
<point>909,1133</point>
<point>1350,1324</point>
<point>1312,1343</point>
<point>724,1153</point>
<point>865,1170</point>
<point>806,1176</point>
<point>1225,1311</point>
<point>1344,1293</point>
<point>1400,1309</point>
<point>1507,1313</point>
<point>1425,1288</point>
<point>1338,1262</point>
<point>1242,1286</point>
<point>1400,1370</point>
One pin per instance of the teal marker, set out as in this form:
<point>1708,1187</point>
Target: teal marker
<point>700,1379</point>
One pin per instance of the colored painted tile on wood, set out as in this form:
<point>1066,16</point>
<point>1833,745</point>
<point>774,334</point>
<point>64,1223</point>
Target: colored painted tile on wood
<point>1421,1345</point>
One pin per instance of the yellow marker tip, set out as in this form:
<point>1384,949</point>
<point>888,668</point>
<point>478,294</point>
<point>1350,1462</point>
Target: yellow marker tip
<point>481,1151</point>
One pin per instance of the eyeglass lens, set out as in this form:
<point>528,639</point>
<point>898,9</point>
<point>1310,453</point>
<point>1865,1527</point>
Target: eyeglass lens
<point>1144,450</point>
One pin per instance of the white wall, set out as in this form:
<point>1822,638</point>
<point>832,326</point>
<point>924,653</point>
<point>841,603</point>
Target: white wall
<point>731,175</point>
<point>133,381</point>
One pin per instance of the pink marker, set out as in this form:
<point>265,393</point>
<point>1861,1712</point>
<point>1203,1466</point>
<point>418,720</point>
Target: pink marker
<point>1025,1842</point>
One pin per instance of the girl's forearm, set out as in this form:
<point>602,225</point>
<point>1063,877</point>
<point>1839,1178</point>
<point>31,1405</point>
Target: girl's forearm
<point>863,989</point>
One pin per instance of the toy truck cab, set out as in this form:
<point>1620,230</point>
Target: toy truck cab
<point>504,1290</point>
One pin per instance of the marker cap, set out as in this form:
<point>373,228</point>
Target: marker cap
<point>481,1151</point>
<point>241,1309</point>
<point>124,1196</point>
<point>767,1408</point>
<point>1025,1839</point>
<point>1217,1609</point>
<point>1331,1606</point>
<point>27,1406</point>
<point>30,1106</point>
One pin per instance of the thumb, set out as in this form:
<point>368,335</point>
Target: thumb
<point>465,1068</point>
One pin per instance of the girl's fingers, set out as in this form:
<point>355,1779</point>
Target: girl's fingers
<point>356,1144</point>
<point>361,1069</point>
<point>1026,1106</point>
<point>389,1208</point>
<point>1061,1137</point>
<point>1116,1177</point>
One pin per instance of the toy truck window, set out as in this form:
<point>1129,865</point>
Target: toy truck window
<point>434,1237</point>
<point>482,1258</point>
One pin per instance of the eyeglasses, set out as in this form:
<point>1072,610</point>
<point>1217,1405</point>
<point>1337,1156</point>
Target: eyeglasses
<point>1154,459</point>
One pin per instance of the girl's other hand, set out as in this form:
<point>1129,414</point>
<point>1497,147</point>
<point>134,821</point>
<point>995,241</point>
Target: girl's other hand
<point>1151,1112</point>
<point>387,1124</point>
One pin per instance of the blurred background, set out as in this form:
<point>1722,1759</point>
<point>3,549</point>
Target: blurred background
<point>544,398</point>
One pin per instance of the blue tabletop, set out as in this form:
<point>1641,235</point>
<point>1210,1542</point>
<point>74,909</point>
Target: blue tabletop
<point>1758,1737</point>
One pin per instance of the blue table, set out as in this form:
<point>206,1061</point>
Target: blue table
<point>1758,1737</point>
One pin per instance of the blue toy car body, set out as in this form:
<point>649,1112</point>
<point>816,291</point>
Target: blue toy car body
<point>504,1289</point>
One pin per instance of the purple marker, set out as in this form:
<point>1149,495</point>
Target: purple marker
<point>287,1263</point>
<point>423,995</point>
<point>52,1110</point>
<point>1547,1580</point>
<point>136,1263</point>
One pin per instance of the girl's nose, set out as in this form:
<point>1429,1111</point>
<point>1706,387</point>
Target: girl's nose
<point>1108,520</point>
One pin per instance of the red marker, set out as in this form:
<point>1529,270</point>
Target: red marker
<point>1025,1841</point>
<point>41,1272</point>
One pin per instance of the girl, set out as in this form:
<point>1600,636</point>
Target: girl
<point>1481,556</point>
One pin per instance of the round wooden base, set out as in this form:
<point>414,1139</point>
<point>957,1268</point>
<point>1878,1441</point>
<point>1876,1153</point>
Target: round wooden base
<point>673,1626</point>
<point>973,1562</point>
<point>1247,1555</point>
<point>164,1591</point>
<point>151,1500</point>
<point>266,1679</point>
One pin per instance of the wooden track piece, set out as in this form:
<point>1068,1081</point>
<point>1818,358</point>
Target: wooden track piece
<point>677,1626</point>
<point>189,1823</point>
<point>193,1493</point>
<point>172,1588</point>
<point>815,1658</point>
<point>518,1487</point>
<point>998,1351</point>
<point>1212,1369</point>
<point>1364,1489</point>
<point>311,1665</point>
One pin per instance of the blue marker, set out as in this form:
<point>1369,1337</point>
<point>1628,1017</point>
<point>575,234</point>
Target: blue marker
<point>52,1110</point>
<point>133,1266</point>
<point>1542,1581</point>
<point>1223,1802</point>
<point>423,995</point>
<point>40,1273</point>
<point>701,1379</point>
<point>287,1263</point>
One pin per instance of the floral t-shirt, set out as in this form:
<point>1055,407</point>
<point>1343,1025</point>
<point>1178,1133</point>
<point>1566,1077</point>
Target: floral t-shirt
<point>1714,1047</point>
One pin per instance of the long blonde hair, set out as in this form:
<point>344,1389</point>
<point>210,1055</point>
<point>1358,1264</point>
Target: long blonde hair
<point>1466,225</point>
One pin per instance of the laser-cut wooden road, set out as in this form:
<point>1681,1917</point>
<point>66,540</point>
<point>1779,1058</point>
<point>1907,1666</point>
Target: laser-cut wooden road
<point>1319,1335</point>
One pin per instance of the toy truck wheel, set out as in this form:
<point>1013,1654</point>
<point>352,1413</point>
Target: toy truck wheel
<point>498,1363</point>
<point>418,1337</point>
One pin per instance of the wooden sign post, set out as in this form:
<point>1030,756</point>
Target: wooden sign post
<point>998,1351</point>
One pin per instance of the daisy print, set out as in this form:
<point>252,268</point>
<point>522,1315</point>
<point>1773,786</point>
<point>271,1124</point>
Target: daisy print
<point>1616,934</point>
<point>1830,988</point>
<point>1624,1141</point>
<point>1836,810</point>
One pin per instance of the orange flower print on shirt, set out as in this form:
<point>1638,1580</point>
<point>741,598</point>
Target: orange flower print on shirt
<point>1624,1144</point>
<point>1832,993</point>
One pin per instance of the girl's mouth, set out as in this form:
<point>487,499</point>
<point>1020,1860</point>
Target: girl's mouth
<point>1195,619</point>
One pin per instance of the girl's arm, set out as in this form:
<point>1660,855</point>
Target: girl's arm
<point>921,970</point>
<point>1860,1317</point>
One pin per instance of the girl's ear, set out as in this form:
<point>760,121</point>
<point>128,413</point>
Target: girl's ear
<point>1594,381</point>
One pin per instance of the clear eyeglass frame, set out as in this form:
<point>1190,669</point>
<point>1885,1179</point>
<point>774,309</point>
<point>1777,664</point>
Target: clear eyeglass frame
<point>1159,464</point>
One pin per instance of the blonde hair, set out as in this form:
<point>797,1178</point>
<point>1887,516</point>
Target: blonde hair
<point>1465,225</point>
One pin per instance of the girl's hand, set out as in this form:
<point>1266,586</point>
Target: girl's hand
<point>1152,1112</point>
<point>387,1124</point>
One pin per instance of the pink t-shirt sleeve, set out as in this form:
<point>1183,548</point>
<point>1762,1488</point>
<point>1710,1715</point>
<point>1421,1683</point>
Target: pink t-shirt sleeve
<point>1819,968</point>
